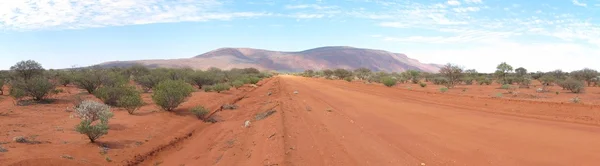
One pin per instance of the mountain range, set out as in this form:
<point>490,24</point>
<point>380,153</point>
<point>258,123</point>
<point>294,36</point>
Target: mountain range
<point>316,59</point>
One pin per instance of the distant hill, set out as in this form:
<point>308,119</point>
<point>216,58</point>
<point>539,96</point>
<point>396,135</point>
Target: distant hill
<point>316,59</point>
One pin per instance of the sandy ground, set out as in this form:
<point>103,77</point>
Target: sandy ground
<point>326,122</point>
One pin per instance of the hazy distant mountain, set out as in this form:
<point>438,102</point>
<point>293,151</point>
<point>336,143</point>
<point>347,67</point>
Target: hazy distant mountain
<point>317,59</point>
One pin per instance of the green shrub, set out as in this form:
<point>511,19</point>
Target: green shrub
<point>111,94</point>
<point>199,112</point>
<point>17,93</point>
<point>505,86</point>
<point>37,88</point>
<point>349,79</point>
<point>1,86</point>
<point>342,73</point>
<point>422,84</point>
<point>469,81</point>
<point>220,87</point>
<point>90,111</point>
<point>254,80</point>
<point>89,79</point>
<point>388,81</point>
<point>573,85</point>
<point>443,89</point>
<point>151,80</point>
<point>440,81</point>
<point>201,78</point>
<point>170,93</point>
<point>65,79</point>
<point>237,84</point>
<point>208,88</point>
<point>131,102</point>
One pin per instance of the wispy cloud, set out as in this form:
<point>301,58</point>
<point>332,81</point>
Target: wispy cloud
<point>309,6</point>
<point>453,2</point>
<point>577,3</point>
<point>43,14</point>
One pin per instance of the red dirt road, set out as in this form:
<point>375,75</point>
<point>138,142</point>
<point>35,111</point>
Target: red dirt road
<point>341,123</point>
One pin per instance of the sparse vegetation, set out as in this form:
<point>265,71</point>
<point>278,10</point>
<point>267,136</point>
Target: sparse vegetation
<point>422,84</point>
<point>111,95</point>
<point>36,87</point>
<point>342,73</point>
<point>502,70</point>
<point>199,112</point>
<point>170,93</point>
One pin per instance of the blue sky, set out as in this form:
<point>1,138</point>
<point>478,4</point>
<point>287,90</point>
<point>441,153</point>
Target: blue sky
<point>535,34</point>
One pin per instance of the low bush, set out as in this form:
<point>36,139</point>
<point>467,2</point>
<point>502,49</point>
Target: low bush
<point>131,102</point>
<point>220,87</point>
<point>237,84</point>
<point>505,86</point>
<point>1,86</point>
<point>199,112</point>
<point>444,89</point>
<point>112,94</point>
<point>170,93</point>
<point>254,80</point>
<point>573,85</point>
<point>89,112</point>
<point>422,84</point>
<point>388,81</point>
<point>440,81</point>
<point>349,79</point>
<point>37,88</point>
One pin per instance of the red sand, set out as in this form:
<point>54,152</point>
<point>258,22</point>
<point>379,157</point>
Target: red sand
<point>326,123</point>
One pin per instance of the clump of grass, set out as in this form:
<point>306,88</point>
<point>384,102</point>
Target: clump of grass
<point>229,106</point>
<point>505,86</point>
<point>199,112</point>
<point>498,95</point>
<point>443,89</point>
<point>263,115</point>
<point>576,99</point>
<point>557,93</point>
<point>422,84</point>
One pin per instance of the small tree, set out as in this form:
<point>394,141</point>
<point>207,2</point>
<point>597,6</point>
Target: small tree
<point>308,73</point>
<point>131,102</point>
<point>342,73</point>
<point>89,112</point>
<point>112,94</point>
<point>27,69</point>
<point>521,72</point>
<point>328,73</point>
<point>412,75</point>
<point>201,78</point>
<point>502,71</point>
<point>65,78</point>
<point>170,93</point>
<point>362,73</point>
<point>36,87</point>
<point>452,73</point>
<point>573,85</point>
<point>586,74</point>
<point>89,79</point>
<point>151,80</point>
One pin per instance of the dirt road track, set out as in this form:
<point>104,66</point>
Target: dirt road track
<point>340,123</point>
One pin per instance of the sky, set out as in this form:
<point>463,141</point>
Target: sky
<point>540,35</point>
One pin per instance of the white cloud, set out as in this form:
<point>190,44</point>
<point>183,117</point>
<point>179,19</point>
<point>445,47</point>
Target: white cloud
<point>466,9</point>
<point>309,6</point>
<point>453,2</point>
<point>577,3</point>
<point>74,14</point>
<point>473,1</point>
